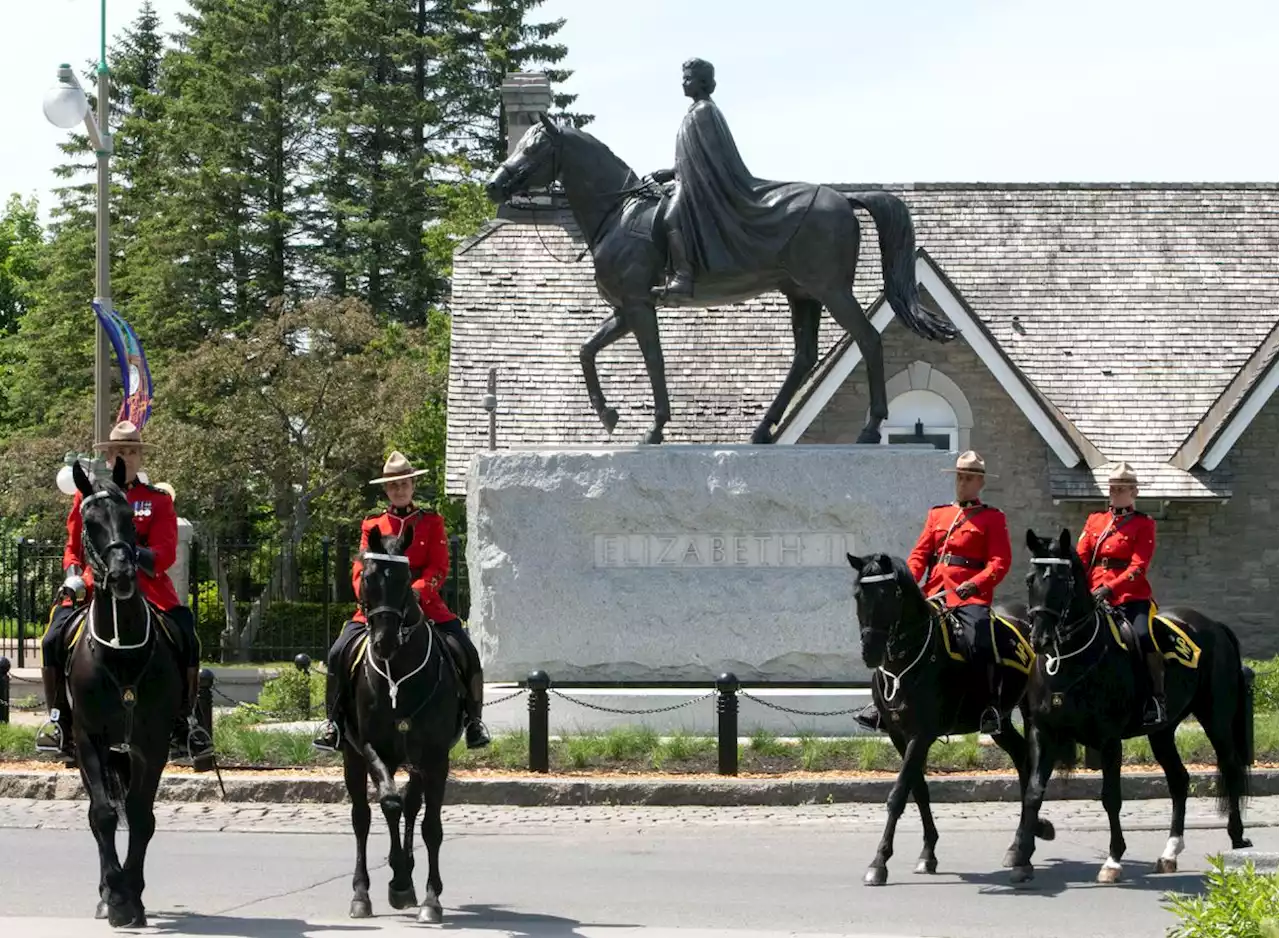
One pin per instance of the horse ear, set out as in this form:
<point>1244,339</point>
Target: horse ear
<point>548,125</point>
<point>1033,542</point>
<point>81,480</point>
<point>117,472</point>
<point>856,562</point>
<point>1064,542</point>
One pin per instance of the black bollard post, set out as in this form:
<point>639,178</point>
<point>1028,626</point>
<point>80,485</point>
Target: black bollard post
<point>4,690</point>
<point>727,722</point>
<point>1247,703</point>
<point>204,701</point>
<point>303,663</point>
<point>539,736</point>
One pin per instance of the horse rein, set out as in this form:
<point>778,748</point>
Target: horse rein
<point>1062,630</point>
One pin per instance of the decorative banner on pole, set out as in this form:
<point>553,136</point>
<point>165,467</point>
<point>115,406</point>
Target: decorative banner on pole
<point>134,374</point>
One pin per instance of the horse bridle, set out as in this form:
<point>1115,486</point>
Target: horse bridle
<point>893,682</point>
<point>618,198</point>
<point>1062,630</point>
<point>405,628</point>
<point>97,562</point>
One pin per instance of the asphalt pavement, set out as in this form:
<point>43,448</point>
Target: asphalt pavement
<point>271,871</point>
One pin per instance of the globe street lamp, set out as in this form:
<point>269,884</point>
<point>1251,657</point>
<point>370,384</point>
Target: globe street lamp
<point>65,105</point>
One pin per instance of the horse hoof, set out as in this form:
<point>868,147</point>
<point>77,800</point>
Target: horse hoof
<point>1010,858</point>
<point>927,865</point>
<point>610,419</point>
<point>1244,844</point>
<point>868,435</point>
<point>402,898</point>
<point>1109,874</point>
<point>1022,874</point>
<point>361,908</point>
<point>430,915</point>
<point>125,917</point>
<point>876,876</point>
<point>101,911</point>
<point>1167,865</point>
<point>1045,831</point>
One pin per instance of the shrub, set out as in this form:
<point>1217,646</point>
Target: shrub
<point>288,696</point>
<point>1265,686</point>
<point>1240,903</point>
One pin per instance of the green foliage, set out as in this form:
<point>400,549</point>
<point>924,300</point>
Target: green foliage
<point>293,695</point>
<point>1266,684</point>
<point>21,249</point>
<point>1236,904</point>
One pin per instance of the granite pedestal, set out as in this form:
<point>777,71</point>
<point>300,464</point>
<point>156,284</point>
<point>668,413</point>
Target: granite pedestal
<point>672,562</point>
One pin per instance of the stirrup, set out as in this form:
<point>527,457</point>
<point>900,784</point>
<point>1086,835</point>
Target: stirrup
<point>330,740</point>
<point>868,717</point>
<point>477,735</point>
<point>49,737</point>
<point>990,716</point>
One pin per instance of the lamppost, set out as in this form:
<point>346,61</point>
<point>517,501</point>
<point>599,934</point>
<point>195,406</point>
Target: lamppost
<point>65,105</point>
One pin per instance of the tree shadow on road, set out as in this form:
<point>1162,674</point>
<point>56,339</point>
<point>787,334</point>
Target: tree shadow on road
<point>520,924</point>
<point>1055,876</point>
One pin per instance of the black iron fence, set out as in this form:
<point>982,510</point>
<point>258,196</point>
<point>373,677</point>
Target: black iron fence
<point>285,599</point>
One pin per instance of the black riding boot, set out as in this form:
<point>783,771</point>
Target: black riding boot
<point>55,735</point>
<point>477,733</point>
<point>681,282</point>
<point>1157,711</point>
<point>331,737</point>
<point>990,720</point>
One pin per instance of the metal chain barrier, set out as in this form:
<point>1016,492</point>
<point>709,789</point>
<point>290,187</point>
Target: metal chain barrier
<point>520,692</point>
<point>802,713</point>
<point>604,709</point>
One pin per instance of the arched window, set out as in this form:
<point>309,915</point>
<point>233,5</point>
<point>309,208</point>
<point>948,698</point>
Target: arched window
<point>925,406</point>
<point>921,417</point>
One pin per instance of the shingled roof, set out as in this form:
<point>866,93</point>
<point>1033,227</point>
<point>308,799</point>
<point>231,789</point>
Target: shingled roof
<point>1130,309</point>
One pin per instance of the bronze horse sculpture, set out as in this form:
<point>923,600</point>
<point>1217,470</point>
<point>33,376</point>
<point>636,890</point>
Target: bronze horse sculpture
<point>620,216</point>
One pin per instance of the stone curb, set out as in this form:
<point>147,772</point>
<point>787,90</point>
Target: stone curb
<point>548,792</point>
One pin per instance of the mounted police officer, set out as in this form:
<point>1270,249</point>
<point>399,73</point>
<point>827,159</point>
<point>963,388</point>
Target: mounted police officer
<point>1116,547</point>
<point>156,524</point>
<point>964,550</point>
<point>428,557</point>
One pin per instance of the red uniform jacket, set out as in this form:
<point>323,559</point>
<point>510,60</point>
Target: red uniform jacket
<point>1116,548</point>
<point>428,557</point>
<point>959,544</point>
<point>156,524</point>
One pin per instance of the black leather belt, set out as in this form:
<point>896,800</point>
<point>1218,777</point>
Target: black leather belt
<point>1111,563</point>
<point>955,560</point>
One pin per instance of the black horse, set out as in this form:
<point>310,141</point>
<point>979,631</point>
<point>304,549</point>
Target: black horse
<point>1085,688</point>
<point>922,691</point>
<point>408,711</point>
<point>125,686</point>
<point>617,213</point>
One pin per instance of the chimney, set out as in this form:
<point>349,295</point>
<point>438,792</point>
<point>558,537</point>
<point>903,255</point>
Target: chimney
<point>525,95</point>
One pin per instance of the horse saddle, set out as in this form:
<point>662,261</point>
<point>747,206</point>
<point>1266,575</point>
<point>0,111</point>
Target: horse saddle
<point>1171,639</point>
<point>1013,649</point>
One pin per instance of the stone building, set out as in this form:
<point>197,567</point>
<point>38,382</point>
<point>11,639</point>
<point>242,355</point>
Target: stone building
<point>1098,322</point>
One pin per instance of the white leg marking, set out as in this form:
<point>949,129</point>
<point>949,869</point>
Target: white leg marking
<point>1111,864</point>
<point>1172,848</point>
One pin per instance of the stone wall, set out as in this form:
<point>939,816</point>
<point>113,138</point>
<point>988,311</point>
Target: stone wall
<point>1220,558</point>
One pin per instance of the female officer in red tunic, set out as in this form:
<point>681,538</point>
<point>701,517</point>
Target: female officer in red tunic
<point>1116,547</point>
<point>964,552</point>
<point>428,557</point>
<point>156,524</point>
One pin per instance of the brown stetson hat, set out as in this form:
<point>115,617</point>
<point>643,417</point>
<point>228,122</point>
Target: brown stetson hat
<point>397,467</point>
<point>123,434</point>
<point>969,461</point>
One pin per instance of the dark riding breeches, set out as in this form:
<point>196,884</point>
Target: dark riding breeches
<point>453,629</point>
<point>54,644</point>
<point>976,620</point>
<point>1138,612</point>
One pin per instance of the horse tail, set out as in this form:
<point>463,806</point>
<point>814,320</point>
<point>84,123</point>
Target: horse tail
<point>1241,727</point>
<point>898,262</point>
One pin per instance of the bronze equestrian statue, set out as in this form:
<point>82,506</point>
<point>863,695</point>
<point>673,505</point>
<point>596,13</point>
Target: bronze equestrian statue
<point>729,237</point>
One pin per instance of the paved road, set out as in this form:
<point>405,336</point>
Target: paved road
<point>271,871</point>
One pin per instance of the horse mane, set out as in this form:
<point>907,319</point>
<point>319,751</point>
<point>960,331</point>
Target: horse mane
<point>621,165</point>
